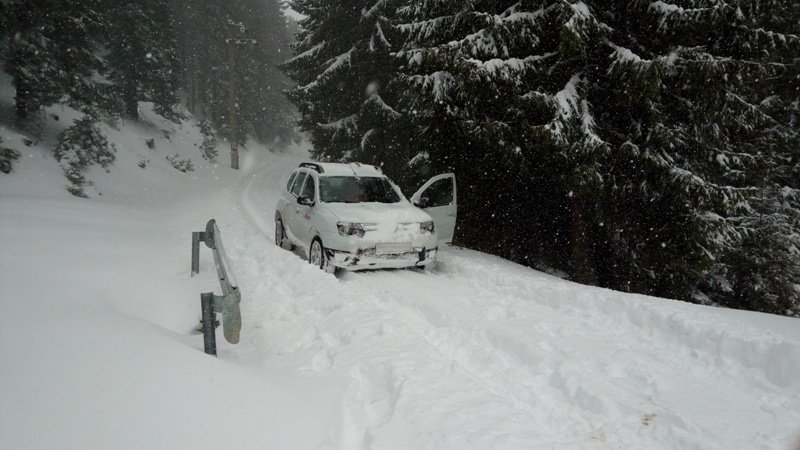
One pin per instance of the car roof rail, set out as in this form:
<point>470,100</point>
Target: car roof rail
<point>310,165</point>
<point>358,164</point>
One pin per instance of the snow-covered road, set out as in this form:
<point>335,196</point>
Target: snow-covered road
<point>483,353</point>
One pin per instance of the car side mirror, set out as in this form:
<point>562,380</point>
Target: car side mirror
<point>423,202</point>
<point>305,201</point>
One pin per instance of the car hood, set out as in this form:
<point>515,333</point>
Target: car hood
<point>381,214</point>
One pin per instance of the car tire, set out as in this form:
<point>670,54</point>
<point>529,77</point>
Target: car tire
<point>280,236</point>
<point>317,257</point>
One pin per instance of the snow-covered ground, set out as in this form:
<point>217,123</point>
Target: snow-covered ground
<point>98,349</point>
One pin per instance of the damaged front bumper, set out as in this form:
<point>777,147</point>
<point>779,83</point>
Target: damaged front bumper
<point>364,259</point>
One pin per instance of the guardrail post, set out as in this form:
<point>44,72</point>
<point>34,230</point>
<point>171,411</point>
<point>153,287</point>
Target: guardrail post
<point>196,235</point>
<point>209,336</point>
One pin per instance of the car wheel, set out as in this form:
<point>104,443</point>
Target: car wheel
<point>280,236</point>
<point>316,256</point>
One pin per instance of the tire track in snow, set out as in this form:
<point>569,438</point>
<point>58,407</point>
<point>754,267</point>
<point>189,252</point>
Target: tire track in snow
<point>261,267</point>
<point>511,368</point>
<point>358,426</point>
<point>266,172</point>
<point>505,366</point>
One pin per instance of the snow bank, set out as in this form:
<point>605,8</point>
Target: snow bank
<point>97,332</point>
<point>97,343</point>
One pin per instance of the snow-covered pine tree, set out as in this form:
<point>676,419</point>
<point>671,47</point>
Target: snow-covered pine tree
<point>383,129</point>
<point>761,268</point>
<point>203,47</point>
<point>81,146</point>
<point>626,127</point>
<point>497,93</point>
<point>50,51</point>
<point>201,40</point>
<point>688,148</point>
<point>344,71</point>
<point>208,149</point>
<point>263,105</point>
<point>761,271</point>
<point>142,55</point>
<point>7,157</point>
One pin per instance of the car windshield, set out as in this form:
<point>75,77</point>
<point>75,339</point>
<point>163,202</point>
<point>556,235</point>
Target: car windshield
<point>356,190</point>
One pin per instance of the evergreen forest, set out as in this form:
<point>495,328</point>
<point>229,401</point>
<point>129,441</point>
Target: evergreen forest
<point>644,146</point>
<point>102,57</point>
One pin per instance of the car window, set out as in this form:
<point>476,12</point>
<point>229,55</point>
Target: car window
<point>298,183</point>
<point>357,190</point>
<point>440,193</point>
<point>308,188</point>
<point>291,179</point>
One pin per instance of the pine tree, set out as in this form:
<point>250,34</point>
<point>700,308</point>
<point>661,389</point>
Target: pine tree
<point>203,42</point>
<point>761,269</point>
<point>629,127</point>
<point>262,101</point>
<point>50,52</point>
<point>7,157</point>
<point>383,129</point>
<point>707,134</point>
<point>208,149</point>
<point>143,55</point>
<point>344,71</point>
<point>81,146</point>
<point>497,91</point>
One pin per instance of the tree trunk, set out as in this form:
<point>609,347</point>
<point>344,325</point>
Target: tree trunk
<point>581,265</point>
<point>131,101</point>
<point>232,104</point>
<point>24,104</point>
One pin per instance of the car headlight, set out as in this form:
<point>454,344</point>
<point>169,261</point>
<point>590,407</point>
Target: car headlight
<point>350,229</point>
<point>426,226</point>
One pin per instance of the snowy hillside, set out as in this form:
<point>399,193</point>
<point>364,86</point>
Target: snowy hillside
<point>98,348</point>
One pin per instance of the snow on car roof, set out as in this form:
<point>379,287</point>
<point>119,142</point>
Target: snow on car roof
<point>339,169</point>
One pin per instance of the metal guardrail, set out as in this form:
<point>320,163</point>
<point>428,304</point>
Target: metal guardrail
<point>228,303</point>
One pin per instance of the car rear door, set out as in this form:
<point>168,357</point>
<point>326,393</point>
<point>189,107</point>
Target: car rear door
<point>303,217</point>
<point>293,208</point>
<point>286,194</point>
<point>439,198</point>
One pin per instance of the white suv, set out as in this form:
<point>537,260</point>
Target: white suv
<point>351,216</point>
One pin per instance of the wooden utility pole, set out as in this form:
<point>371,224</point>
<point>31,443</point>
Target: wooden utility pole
<point>233,43</point>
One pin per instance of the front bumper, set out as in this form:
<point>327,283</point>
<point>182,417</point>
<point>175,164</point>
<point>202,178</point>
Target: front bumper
<point>365,259</point>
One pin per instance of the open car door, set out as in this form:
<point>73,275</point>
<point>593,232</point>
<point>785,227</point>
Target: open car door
<point>438,197</point>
